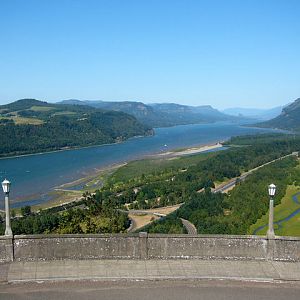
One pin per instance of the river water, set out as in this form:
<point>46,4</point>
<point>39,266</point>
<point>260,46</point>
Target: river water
<point>34,176</point>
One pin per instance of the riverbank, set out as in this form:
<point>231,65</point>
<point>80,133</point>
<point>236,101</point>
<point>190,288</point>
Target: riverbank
<point>72,191</point>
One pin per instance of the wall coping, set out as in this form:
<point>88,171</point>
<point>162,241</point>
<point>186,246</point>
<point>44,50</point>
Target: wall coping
<point>4,237</point>
<point>80,235</point>
<point>151,236</point>
<point>208,236</point>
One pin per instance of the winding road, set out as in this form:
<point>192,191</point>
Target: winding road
<point>190,227</point>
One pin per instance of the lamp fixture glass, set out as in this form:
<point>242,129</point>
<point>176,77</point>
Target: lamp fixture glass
<point>5,186</point>
<point>272,189</point>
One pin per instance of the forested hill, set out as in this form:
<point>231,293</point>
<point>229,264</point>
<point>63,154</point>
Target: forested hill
<point>162,114</point>
<point>289,118</point>
<point>29,126</point>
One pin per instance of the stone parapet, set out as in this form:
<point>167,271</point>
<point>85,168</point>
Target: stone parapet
<point>147,246</point>
<point>6,249</point>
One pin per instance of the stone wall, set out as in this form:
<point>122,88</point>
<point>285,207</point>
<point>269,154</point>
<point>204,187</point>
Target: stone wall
<point>50,247</point>
<point>286,248</point>
<point>207,247</point>
<point>6,249</point>
<point>144,246</point>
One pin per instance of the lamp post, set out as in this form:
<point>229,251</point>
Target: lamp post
<point>272,191</point>
<point>6,189</point>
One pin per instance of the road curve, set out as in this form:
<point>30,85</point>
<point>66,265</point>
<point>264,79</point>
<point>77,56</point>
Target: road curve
<point>190,227</point>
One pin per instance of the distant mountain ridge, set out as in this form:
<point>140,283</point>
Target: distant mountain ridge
<point>262,114</point>
<point>160,114</point>
<point>289,118</point>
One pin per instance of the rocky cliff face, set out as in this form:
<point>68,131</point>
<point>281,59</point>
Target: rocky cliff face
<point>288,119</point>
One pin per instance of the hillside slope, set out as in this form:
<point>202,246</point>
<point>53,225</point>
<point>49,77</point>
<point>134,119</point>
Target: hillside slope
<point>288,119</point>
<point>29,125</point>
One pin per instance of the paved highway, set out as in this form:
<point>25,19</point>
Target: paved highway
<point>232,182</point>
<point>160,290</point>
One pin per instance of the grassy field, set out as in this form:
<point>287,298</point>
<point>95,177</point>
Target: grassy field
<point>42,108</point>
<point>59,197</point>
<point>64,113</point>
<point>22,120</point>
<point>281,211</point>
<point>147,166</point>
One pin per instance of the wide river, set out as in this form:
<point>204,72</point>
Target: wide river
<point>34,176</point>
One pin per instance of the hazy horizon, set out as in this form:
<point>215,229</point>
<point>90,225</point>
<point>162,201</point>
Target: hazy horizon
<point>149,103</point>
<point>226,54</point>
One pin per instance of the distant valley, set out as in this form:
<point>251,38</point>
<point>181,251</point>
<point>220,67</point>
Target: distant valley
<point>255,113</point>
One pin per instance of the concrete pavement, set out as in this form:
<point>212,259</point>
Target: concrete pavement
<point>4,267</point>
<point>107,270</point>
<point>149,290</point>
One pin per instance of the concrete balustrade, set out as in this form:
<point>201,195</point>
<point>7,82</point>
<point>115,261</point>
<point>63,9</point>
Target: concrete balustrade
<point>147,246</point>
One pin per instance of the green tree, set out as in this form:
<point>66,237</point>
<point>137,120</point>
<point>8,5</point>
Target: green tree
<point>26,211</point>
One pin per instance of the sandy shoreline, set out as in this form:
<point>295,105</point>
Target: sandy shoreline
<point>91,175</point>
<point>189,151</point>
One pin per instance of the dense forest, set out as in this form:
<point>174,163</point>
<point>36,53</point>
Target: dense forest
<point>29,126</point>
<point>236,212</point>
<point>91,215</point>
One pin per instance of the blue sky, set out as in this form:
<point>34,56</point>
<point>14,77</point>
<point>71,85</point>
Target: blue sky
<point>224,53</point>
